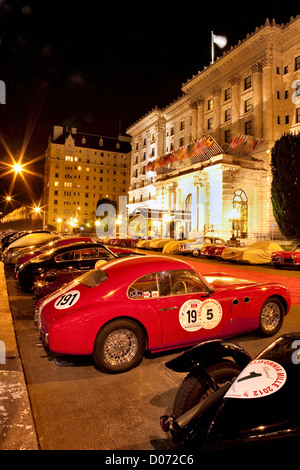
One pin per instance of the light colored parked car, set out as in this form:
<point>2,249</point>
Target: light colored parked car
<point>195,247</point>
<point>256,253</point>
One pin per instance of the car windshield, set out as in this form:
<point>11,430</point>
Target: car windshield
<point>43,256</point>
<point>93,278</point>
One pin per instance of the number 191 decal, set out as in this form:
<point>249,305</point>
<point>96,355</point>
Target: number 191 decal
<point>67,300</point>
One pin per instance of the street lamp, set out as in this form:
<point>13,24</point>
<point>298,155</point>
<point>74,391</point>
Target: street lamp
<point>38,210</point>
<point>17,167</point>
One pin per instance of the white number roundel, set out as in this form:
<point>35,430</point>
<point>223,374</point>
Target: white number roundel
<point>260,378</point>
<point>67,300</point>
<point>195,314</point>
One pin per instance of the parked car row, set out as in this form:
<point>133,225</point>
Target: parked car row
<point>42,266</point>
<point>212,246</point>
<point>123,304</point>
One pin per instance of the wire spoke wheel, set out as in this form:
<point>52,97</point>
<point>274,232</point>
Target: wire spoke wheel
<point>120,347</point>
<point>271,316</point>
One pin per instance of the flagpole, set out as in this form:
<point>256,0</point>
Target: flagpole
<point>212,47</point>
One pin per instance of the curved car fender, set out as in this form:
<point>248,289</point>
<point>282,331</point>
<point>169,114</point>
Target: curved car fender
<point>207,353</point>
<point>76,332</point>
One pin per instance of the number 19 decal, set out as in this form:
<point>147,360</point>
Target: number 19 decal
<point>67,300</point>
<point>195,314</point>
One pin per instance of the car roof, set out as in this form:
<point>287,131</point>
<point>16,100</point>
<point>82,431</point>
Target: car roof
<point>77,246</point>
<point>139,266</point>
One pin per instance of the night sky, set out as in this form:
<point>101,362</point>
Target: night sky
<point>101,65</point>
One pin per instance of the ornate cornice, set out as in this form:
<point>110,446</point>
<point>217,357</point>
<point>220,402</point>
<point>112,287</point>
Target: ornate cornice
<point>267,60</point>
<point>235,80</point>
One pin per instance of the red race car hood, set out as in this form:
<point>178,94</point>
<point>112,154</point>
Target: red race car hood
<point>221,280</point>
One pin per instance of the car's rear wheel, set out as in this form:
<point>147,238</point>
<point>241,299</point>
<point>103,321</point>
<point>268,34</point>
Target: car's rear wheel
<point>119,346</point>
<point>271,316</point>
<point>194,389</point>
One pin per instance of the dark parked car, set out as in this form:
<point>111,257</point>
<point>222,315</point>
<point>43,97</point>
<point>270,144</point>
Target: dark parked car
<point>78,255</point>
<point>53,279</point>
<point>32,252</point>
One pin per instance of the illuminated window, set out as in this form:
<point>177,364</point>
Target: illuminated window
<point>248,83</point>
<point>240,202</point>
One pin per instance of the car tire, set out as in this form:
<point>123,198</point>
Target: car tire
<point>193,389</point>
<point>271,316</point>
<point>119,346</point>
<point>196,253</point>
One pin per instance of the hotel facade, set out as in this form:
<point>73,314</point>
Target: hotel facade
<point>250,93</point>
<point>80,170</point>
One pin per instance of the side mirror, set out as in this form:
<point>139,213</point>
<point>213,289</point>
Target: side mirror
<point>50,277</point>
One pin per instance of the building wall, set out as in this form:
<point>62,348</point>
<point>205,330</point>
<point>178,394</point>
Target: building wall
<point>249,90</point>
<point>79,170</point>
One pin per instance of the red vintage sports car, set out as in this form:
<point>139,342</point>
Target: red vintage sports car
<point>289,259</point>
<point>153,303</point>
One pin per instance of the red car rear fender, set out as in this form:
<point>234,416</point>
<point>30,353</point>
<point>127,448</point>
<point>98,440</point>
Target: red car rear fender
<point>76,332</point>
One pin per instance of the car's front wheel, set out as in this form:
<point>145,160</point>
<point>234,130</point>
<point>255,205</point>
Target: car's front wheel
<point>196,253</point>
<point>119,346</point>
<point>271,316</point>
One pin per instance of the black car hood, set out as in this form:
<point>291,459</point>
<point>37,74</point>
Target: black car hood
<point>257,413</point>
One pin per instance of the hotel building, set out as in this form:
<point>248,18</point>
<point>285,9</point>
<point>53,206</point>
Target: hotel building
<point>251,90</point>
<point>80,170</point>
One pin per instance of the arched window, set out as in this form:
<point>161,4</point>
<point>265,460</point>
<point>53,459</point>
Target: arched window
<point>188,203</point>
<point>187,226</point>
<point>240,202</point>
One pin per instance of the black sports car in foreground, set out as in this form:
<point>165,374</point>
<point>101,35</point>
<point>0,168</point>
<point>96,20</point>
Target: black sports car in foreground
<point>219,408</point>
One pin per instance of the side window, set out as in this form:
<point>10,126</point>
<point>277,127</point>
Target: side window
<point>144,288</point>
<point>180,282</point>
<point>88,253</point>
<point>69,255</point>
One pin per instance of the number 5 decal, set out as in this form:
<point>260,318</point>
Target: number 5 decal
<point>67,300</point>
<point>210,314</point>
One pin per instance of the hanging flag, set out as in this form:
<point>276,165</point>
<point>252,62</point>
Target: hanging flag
<point>221,41</point>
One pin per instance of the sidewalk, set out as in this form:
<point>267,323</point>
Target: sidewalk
<point>17,430</point>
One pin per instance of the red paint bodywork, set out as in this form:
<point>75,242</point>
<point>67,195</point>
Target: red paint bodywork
<point>73,330</point>
<point>289,259</point>
<point>214,251</point>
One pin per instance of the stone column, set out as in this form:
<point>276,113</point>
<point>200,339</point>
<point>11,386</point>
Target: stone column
<point>160,131</point>
<point>216,93</point>
<point>257,99</point>
<point>200,130</point>
<point>267,98</point>
<point>193,106</point>
<point>198,211</point>
<point>235,106</point>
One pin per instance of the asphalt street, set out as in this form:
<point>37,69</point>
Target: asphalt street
<point>76,407</point>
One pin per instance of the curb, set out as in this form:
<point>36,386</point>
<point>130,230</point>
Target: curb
<point>17,428</point>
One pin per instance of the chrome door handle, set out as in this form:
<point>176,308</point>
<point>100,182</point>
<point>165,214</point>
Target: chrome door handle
<point>168,308</point>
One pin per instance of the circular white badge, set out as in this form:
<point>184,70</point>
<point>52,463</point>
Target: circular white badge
<point>67,300</point>
<point>195,314</point>
<point>259,379</point>
<point>210,314</point>
<point>189,315</point>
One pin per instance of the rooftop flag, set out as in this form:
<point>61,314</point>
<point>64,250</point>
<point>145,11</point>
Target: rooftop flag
<point>221,42</point>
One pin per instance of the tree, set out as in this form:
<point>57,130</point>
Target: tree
<point>285,188</point>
